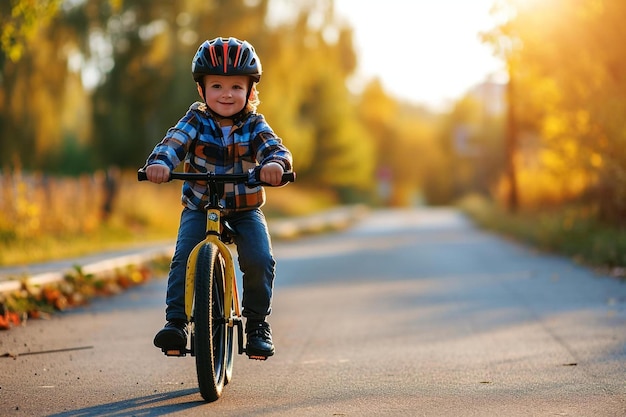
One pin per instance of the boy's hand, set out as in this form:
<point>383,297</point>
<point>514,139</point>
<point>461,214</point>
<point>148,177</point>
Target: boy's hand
<point>158,173</point>
<point>272,173</point>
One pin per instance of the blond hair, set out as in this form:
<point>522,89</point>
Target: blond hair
<point>253,100</point>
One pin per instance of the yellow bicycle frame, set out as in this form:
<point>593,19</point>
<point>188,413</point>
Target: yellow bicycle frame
<point>231,294</point>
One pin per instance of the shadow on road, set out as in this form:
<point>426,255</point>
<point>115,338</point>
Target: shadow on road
<point>150,405</point>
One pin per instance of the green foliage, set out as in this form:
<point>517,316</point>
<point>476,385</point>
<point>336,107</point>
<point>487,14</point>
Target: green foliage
<point>409,154</point>
<point>71,158</point>
<point>472,153</point>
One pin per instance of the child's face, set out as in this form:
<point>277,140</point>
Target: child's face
<point>225,95</point>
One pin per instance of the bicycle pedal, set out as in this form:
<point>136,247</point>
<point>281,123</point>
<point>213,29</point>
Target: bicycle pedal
<point>175,352</point>
<point>257,357</point>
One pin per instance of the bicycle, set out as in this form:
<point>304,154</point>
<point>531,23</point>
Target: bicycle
<point>212,302</point>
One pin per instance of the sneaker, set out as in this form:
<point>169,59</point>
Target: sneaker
<point>172,336</point>
<point>259,340</point>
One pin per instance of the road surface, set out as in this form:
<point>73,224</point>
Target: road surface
<point>409,313</point>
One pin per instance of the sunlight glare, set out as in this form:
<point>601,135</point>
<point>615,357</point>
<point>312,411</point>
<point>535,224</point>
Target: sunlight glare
<point>423,51</point>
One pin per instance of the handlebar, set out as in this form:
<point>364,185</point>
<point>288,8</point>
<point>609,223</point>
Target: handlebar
<point>250,179</point>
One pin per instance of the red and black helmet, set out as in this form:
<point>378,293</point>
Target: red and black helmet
<point>226,57</point>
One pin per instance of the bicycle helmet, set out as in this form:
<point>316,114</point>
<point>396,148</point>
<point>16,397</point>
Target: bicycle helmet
<point>222,56</point>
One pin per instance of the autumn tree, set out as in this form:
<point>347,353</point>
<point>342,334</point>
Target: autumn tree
<point>408,152</point>
<point>570,93</point>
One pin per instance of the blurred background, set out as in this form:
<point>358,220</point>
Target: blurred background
<point>507,106</point>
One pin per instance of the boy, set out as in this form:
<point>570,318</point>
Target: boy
<point>223,134</point>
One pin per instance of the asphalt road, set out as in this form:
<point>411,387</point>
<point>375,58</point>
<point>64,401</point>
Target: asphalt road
<point>409,313</point>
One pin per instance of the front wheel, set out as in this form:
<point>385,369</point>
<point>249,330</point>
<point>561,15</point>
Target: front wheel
<point>211,330</point>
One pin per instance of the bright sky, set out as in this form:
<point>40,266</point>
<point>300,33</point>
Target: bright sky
<point>425,51</point>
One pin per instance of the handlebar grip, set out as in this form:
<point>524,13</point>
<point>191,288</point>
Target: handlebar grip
<point>289,177</point>
<point>255,178</point>
<point>141,175</point>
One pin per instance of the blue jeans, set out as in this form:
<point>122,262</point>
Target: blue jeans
<point>256,261</point>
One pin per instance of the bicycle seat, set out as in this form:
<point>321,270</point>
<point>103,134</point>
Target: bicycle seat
<point>228,232</point>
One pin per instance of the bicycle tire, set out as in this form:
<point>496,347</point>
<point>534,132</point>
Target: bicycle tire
<point>210,328</point>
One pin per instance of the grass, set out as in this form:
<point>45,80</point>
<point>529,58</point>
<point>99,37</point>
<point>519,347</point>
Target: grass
<point>571,230</point>
<point>44,219</point>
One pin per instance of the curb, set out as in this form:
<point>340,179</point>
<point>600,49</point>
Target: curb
<point>336,219</point>
<point>94,268</point>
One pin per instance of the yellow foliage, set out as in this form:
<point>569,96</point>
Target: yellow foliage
<point>27,213</point>
<point>550,184</point>
<point>553,126</point>
<point>595,160</point>
<point>568,69</point>
<point>582,121</point>
<point>116,5</point>
<point>45,218</point>
<point>27,17</point>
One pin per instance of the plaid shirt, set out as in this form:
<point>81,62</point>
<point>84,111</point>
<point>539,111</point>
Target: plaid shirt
<point>197,140</point>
